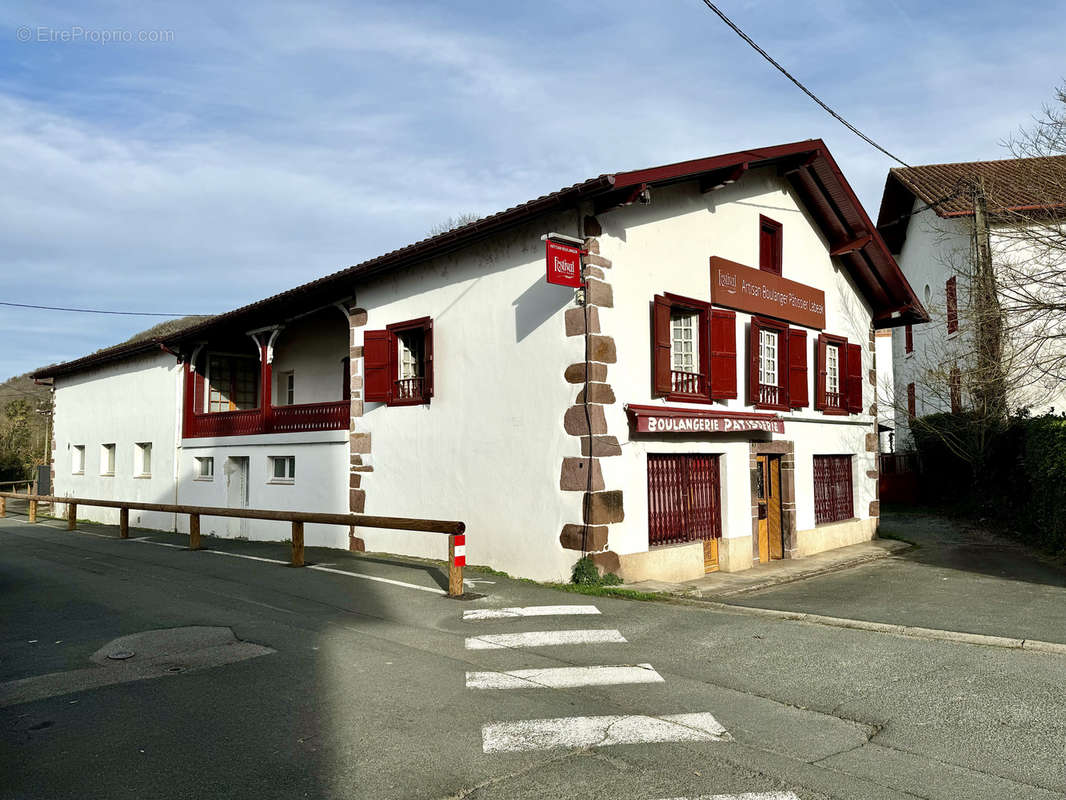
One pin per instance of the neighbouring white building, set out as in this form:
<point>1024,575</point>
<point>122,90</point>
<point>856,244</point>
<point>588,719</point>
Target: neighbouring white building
<point>705,400</point>
<point>927,220</point>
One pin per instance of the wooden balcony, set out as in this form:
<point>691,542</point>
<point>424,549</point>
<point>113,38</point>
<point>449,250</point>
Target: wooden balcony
<point>333,416</point>
<point>688,382</point>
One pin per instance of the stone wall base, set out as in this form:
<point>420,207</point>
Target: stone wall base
<point>734,554</point>
<point>835,534</point>
<point>670,563</point>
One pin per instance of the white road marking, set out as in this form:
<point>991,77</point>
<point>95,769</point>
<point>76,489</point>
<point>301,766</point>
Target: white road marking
<point>563,677</point>
<point>319,567</point>
<point>744,796</point>
<point>146,540</point>
<point>498,641</point>
<point>525,611</point>
<point>567,732</point>
<point>376,578</point>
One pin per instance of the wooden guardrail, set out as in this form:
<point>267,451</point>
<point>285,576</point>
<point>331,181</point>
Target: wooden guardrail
<point>454,529</point>
<point>27,484</point>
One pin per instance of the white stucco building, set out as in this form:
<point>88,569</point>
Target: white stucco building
<point>927,220</point>
<point>706,400</point>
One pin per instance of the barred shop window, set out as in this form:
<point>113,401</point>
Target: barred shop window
<point>833,500</point>
<point>398,363</point>
<point>694,350</point>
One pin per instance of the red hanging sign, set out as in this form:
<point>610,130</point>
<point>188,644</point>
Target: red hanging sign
<point>564,264</point>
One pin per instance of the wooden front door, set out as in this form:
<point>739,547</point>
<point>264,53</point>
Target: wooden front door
<point>768,495</point>
<point>683,502</point>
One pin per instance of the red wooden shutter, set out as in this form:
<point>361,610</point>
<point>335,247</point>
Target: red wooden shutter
<point>753,363</point>
<point>953,305</point>
<point>376,374</point>
<point>723,354</point>
<point>428,383</point>
<point>797,368</point>
<point>912,400</point>
<point>854,373</point>
<point>908,341</point>
<point>819,377</point>
<point>660,346</point>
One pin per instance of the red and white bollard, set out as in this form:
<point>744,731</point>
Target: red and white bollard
<point>456,562</point>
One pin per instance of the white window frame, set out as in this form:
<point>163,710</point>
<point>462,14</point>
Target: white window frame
<point>287,388</point>
<point>142,459</point>
<point>684,331</point>
<point>288,469</point>
<point>77,459</point>
<point>769,357</point>
<point>408,361</point>
<point>201,462</point>
<point>107,459</point>
<point>832,369</point>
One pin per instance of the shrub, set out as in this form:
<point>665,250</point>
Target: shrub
<point>586,573</point>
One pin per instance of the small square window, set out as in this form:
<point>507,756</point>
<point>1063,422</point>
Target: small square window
<point>205,468</point>
<point>282,469</point>
<point>142,453</point>
<point>77,459</point>
<point>107,459</point>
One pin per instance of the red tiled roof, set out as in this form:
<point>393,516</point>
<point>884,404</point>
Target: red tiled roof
<point>808,165</point>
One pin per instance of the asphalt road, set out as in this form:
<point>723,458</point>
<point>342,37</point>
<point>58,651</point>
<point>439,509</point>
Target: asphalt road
<point>347,686</point>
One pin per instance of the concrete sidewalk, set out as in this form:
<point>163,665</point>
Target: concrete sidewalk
<point>718,585</point>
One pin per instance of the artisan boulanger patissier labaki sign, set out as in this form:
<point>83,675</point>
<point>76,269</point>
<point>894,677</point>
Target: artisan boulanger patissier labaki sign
<point>759,292</point>
<point>664,419</point>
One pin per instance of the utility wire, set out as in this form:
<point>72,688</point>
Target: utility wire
<point>96,311</point>
<point>805,90</point>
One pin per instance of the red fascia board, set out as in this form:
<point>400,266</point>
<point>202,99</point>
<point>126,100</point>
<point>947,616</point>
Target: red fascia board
<point>684,169</point>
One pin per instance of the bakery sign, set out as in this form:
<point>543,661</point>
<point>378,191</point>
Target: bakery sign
<point>664,419</point>
<point>759,292</point>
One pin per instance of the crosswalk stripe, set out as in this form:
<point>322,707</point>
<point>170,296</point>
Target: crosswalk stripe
<point>497,641</point>
<point>563,677</point>
<point>744,796</point>
<point>526,611</point>
<point>567,732</point>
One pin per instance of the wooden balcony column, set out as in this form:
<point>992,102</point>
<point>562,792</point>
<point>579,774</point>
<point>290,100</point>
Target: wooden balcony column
<point>264,339</point>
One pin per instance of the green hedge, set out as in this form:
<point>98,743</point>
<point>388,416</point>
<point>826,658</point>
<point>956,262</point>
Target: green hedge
<point>1021,481</point>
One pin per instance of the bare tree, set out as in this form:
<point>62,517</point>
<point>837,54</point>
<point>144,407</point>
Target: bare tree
<point>451,223</point>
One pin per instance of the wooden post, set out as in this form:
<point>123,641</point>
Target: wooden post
<point>194,531</point>
<point>123,523</point>
<point>72,516</point>
<point>33,510</point>
<point>297,544</point>
<point>455,564</point>
<point>3,506</point>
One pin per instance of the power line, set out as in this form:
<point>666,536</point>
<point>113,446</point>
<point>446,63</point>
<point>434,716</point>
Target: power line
<point>805,90</point>
<point>96,311</point>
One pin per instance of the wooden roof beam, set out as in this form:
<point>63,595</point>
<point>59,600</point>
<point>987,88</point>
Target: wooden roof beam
<point>722,177</point>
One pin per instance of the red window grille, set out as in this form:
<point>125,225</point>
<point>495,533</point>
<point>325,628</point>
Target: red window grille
<point>833,499</point>
<point>953,304</point>
<point>683,498</point>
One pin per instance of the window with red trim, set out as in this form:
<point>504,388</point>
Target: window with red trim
<point>838,386</point>
<point>952,304</point>
<point>956,390</point>
<point>398,363</point>
<point>912,400</point>
<point>908,339</point>
<point>693,350</point>
<point>769,245</point>
<point>768,368</point>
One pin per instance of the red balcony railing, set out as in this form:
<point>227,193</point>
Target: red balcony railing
<point>280,419</point>
<point>688,382</point>
<point>409,389</point>
<point>834,399</point>
<point>770,395</point>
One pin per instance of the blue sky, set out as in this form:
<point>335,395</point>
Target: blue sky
<point>261,145</point>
